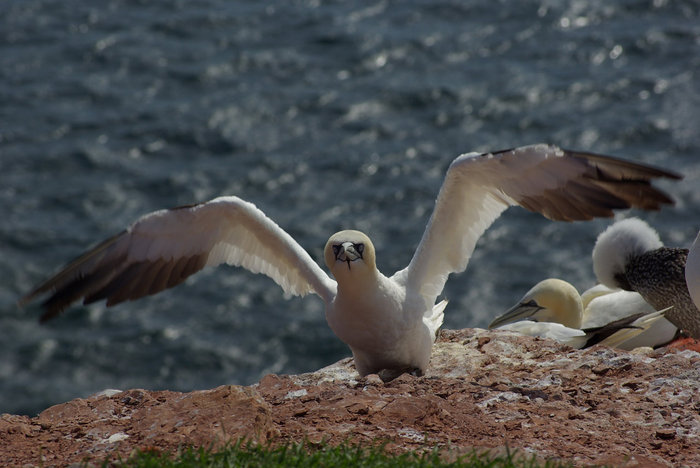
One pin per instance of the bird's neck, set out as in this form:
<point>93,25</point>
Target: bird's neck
<point>572,317</point>
<point>568,312</point>
<point>357,280</point>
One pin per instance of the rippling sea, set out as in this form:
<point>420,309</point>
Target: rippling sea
<point>327,115</point>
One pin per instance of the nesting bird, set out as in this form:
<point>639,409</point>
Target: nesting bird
<point>554,309</point>
<point>630,255</point>
<point>388,322</point>
<point>603,305</point>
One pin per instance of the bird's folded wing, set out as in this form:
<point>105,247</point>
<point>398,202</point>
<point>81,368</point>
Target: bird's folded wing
<point>163,248</point>
<point>616,333</point>
<point>615,305</point>
<point>559,184</point>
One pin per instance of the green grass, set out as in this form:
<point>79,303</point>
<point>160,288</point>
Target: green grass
<point>245,455</point>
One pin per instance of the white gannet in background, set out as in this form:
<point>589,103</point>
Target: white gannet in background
<point>629,255</point>
<point>603,305</point>
<point>554,309</point>
<point>578,338</point>
<point>389,323</point>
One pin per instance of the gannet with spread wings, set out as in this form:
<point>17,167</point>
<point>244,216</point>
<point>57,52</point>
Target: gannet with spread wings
<point>389,323</point>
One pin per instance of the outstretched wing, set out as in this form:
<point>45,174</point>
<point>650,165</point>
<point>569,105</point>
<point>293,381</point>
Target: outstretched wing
<point>163,248</point>
<point>559,184</point>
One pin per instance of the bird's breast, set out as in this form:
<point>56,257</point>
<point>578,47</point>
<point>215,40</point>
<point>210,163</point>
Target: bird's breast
<point>370,317</point>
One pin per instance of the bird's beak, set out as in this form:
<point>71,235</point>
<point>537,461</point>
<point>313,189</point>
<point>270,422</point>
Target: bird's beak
<point>346,252</point>
<point>520,311</point>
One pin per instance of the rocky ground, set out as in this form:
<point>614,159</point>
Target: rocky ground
<point>485,389</point>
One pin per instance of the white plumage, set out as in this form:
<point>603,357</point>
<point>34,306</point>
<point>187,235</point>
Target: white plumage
<point>553,309</point>
<point>610,305</point>
<point>389,323</point>
<point>554,331</point>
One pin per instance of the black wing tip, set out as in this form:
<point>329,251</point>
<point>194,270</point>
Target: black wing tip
<point>48,315</point>
<point>60,298</point>
<point>653,170</point>
<point>25,300</point>
<point>28,298</point>
<point>54,305</point>
<point>115,284</point>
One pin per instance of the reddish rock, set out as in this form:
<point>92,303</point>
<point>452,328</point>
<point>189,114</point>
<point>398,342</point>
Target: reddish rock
<point>116,423</point>
<point>483,389</point>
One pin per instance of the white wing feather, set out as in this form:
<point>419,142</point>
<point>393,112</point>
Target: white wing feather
<point>615,305</point>
<point>559,184</point>
<point>162,248</point>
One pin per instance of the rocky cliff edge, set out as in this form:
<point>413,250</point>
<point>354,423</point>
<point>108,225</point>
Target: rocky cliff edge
<point>483,389</point>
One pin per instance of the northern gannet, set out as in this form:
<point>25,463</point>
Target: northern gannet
<point>578,338</point>
<point>554,309</point>
<point>389,323</point>
<point>603,305</point>
<point>629,255</point>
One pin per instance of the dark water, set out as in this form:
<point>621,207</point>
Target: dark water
<point>327,115</point>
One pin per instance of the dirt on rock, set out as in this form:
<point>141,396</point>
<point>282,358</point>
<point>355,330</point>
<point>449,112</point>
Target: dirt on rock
<point>483,389</point>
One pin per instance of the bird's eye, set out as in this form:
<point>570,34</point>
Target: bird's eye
<point>336,250</point>
<point>360,248</point>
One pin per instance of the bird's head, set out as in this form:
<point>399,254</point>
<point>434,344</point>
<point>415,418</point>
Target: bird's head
<point>617,245</point>
<point>349,251</point>
<point>550,300</point>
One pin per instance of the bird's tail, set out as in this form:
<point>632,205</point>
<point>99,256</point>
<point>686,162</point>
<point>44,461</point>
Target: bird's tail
<point>437,315</point>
